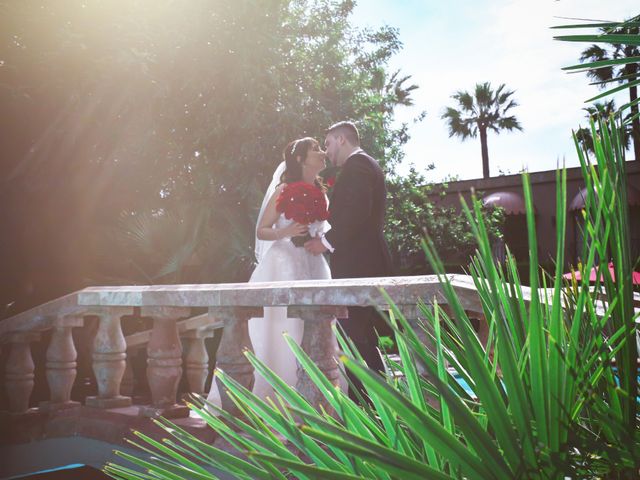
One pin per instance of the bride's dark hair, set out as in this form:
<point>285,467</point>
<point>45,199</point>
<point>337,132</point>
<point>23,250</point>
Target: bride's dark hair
<point>295,149</point>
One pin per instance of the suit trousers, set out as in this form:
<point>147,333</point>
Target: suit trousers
<point>361,328</point>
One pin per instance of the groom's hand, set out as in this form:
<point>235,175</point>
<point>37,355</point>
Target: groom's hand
<point>315,246</point>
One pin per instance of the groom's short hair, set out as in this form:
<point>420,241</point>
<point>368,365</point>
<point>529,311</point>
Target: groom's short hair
<point>346,129</point>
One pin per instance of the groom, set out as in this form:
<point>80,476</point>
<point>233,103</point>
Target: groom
<point>356,239</point>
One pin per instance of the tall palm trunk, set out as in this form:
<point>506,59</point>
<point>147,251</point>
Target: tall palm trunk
<point>485,151</point>
<point>629,70</point>
<point>635,124</point>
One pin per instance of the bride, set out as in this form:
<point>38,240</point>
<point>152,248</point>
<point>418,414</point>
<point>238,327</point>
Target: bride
<point>280,260</point>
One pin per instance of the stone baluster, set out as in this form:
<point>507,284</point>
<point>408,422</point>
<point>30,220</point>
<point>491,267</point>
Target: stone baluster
<point>19,377</point>
<point>319,342</point>
<point>128,380</point>
<point>109,360</point>
<point>61,363</point>
<point>412,314</point>
<point>164,362</point>
<point>230,356</point>
<point>196,359</point>
<point>483,326</point>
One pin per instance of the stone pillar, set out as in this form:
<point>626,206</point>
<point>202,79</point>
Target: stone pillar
<point>164,362</point>
<point>196,359</point>
<point>230,356</point>
<point>413,316</point>
<point>319,342</point>
<point>128,381</point>
<point>483,326</point>
<point>19,377</point>
<point>109,360</point>
<point>61,363</point>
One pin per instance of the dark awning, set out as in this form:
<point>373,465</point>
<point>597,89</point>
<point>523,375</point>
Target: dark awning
<point>578,202</point>
<point>512,202</point>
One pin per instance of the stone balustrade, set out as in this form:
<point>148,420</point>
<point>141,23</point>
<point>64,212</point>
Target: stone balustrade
<point>175,345</point>
<point>47,353</point>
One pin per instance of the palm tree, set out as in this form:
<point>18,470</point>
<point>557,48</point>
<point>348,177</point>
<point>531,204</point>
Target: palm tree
<point>604,110</point>
<point>392,88</point>
<point>624,73</point>
<point>486,109</point>
<point>400,93</point>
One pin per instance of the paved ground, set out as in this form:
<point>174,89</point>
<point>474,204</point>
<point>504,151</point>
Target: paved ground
<point>52,453</point>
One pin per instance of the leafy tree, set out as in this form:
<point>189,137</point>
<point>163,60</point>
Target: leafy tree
<point>475,114</point>
<point>145,140</point>
<point>123,118</point>
<point>609,71</point>
<point>413,213</point>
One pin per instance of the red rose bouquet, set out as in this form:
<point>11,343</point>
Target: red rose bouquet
<point>305,204</point>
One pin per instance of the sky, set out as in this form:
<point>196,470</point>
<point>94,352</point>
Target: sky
<point>452,45</point>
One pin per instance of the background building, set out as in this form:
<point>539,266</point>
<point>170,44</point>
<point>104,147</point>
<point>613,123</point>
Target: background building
<point>506,191</point>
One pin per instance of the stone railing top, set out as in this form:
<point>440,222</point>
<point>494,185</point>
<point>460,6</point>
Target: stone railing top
<point>344,292</point>
<point>347,292</point>
<point>43,316</point>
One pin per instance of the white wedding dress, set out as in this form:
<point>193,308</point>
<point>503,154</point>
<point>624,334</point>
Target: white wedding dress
<point>283,261</point>
<point>278,261</point>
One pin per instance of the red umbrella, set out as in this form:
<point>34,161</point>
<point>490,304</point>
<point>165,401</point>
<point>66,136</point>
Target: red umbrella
<point>635,276</point>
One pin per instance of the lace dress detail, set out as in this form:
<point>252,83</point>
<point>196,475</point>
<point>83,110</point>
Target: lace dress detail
<point>284,261</point>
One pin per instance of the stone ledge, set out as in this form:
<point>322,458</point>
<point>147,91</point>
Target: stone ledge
<point>109,402</point>
<point>108,425</point>
<point>170,412</point>
<point>337,292</point>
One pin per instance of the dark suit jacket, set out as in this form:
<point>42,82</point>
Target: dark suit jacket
<point>356,214</point>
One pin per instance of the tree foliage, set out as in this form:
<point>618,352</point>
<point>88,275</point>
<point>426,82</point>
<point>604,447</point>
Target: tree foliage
<point>138,137</point>
<point>414,211</point>
<point>602,110</point>
<point>604,75</point>
<point>613,57</point>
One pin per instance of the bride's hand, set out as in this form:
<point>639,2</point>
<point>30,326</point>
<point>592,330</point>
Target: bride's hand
<point>294,230</point>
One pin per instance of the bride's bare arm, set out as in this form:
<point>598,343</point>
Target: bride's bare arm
<point>265,230</point>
